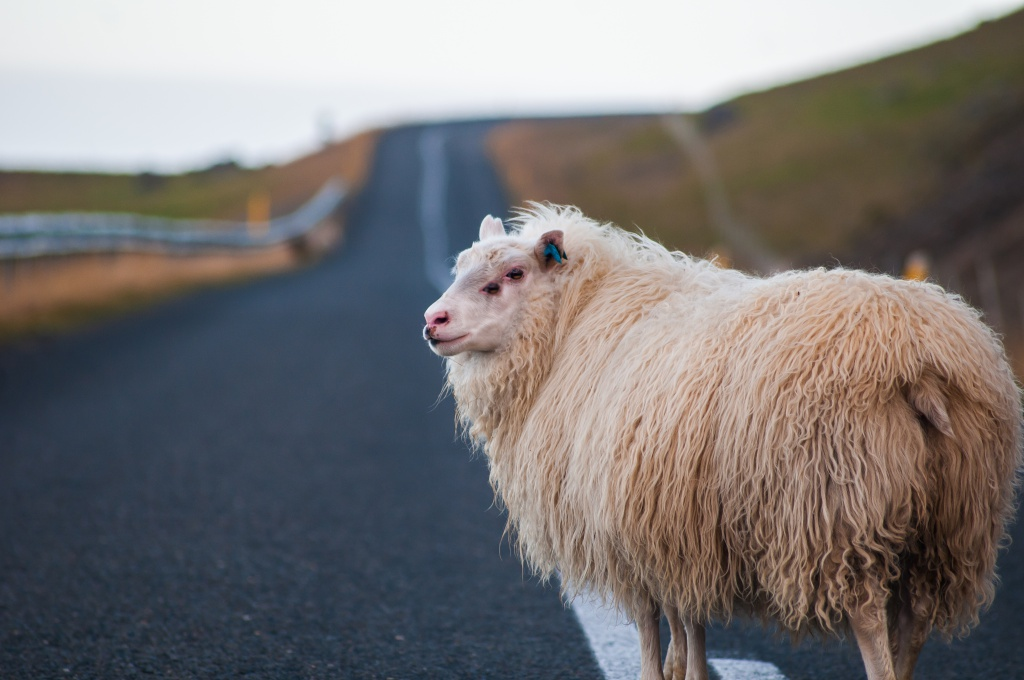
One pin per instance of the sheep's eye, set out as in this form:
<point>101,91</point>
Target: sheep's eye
<point>515,274</point>
<point>491,288</point>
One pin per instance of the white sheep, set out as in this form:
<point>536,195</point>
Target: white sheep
<point>829,450</point>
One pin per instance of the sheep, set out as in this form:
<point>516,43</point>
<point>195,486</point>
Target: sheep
<point>825,451</point>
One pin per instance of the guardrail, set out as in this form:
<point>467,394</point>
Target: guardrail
<point>39,234</point>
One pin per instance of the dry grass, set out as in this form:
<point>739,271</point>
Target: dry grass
<point>219,192</point>
<point>57,293</point>
<point>813,167</point>
<point>833,169</point>
<point>291,185</point>
<point>623,169</point>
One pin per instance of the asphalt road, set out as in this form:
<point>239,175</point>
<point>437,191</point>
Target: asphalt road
<point>261,482</point>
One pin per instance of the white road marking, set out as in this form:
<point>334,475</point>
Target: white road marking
<point>433,213</point>
<point>737,669</point>
<point>615,642</point>
<point>616,645</point>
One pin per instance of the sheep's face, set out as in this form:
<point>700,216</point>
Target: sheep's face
<point>493,280</point>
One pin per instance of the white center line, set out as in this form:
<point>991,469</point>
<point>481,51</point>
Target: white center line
<point>737,669</point>
<point>433,214</point>
<point>615,643</point>
<point>616,646</point>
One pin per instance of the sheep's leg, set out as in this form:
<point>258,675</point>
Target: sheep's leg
<point>675,659</point>
<point>648,623</point>
<point>696,657</point>
<point>870,627</point>
<point>912,627</point>
<point>687,657</point>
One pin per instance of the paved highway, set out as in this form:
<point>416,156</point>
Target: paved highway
<point>260,482</point>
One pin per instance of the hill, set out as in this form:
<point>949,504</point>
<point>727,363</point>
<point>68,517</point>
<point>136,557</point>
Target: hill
<point>221,191</point>
<point>921,151</point>
<point>44,295</point>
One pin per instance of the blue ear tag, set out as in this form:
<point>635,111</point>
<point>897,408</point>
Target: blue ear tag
<point>552,251</point>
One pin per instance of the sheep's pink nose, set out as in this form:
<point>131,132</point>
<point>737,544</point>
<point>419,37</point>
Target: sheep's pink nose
<point>435,319</point>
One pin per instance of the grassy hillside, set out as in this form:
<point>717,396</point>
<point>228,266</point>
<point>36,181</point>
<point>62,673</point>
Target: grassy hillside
<point>51,294</point>
<point>919,151</point>
<point>220,192</point>
<point>625,169</point>
<point>813,166</point>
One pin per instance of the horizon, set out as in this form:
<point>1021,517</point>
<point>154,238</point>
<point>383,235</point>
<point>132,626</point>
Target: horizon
<point>169,110</point>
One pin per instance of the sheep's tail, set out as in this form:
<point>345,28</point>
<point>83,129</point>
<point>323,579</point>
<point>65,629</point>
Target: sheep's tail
<point>926,396</point>
<point>973,463</point>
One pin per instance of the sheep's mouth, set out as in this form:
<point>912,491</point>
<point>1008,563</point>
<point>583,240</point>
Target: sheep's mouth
<point>446,346</point>
<point>440,342</point>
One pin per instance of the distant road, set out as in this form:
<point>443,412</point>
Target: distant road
<point>257,482</point>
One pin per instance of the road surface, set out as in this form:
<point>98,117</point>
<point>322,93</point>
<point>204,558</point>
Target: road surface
<point>261,482</point>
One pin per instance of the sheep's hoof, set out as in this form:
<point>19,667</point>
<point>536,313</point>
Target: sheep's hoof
<point>674,669</point>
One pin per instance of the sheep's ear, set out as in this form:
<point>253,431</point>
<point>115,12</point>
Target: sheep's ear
<point>549,250</point>
<point>491,227</point>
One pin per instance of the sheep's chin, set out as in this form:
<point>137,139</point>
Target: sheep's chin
<point>449,348</point>
<point>479,344</point>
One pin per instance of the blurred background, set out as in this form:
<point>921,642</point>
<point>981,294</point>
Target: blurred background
<point>262,481</point>
<point>885,135</point>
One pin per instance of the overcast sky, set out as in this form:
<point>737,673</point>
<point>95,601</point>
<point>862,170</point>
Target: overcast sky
<point>149,83</point>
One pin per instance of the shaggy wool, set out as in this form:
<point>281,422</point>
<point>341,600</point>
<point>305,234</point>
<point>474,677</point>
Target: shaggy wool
<point>789,447</point>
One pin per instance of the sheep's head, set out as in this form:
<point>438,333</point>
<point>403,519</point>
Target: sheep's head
<point>494,279</point>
